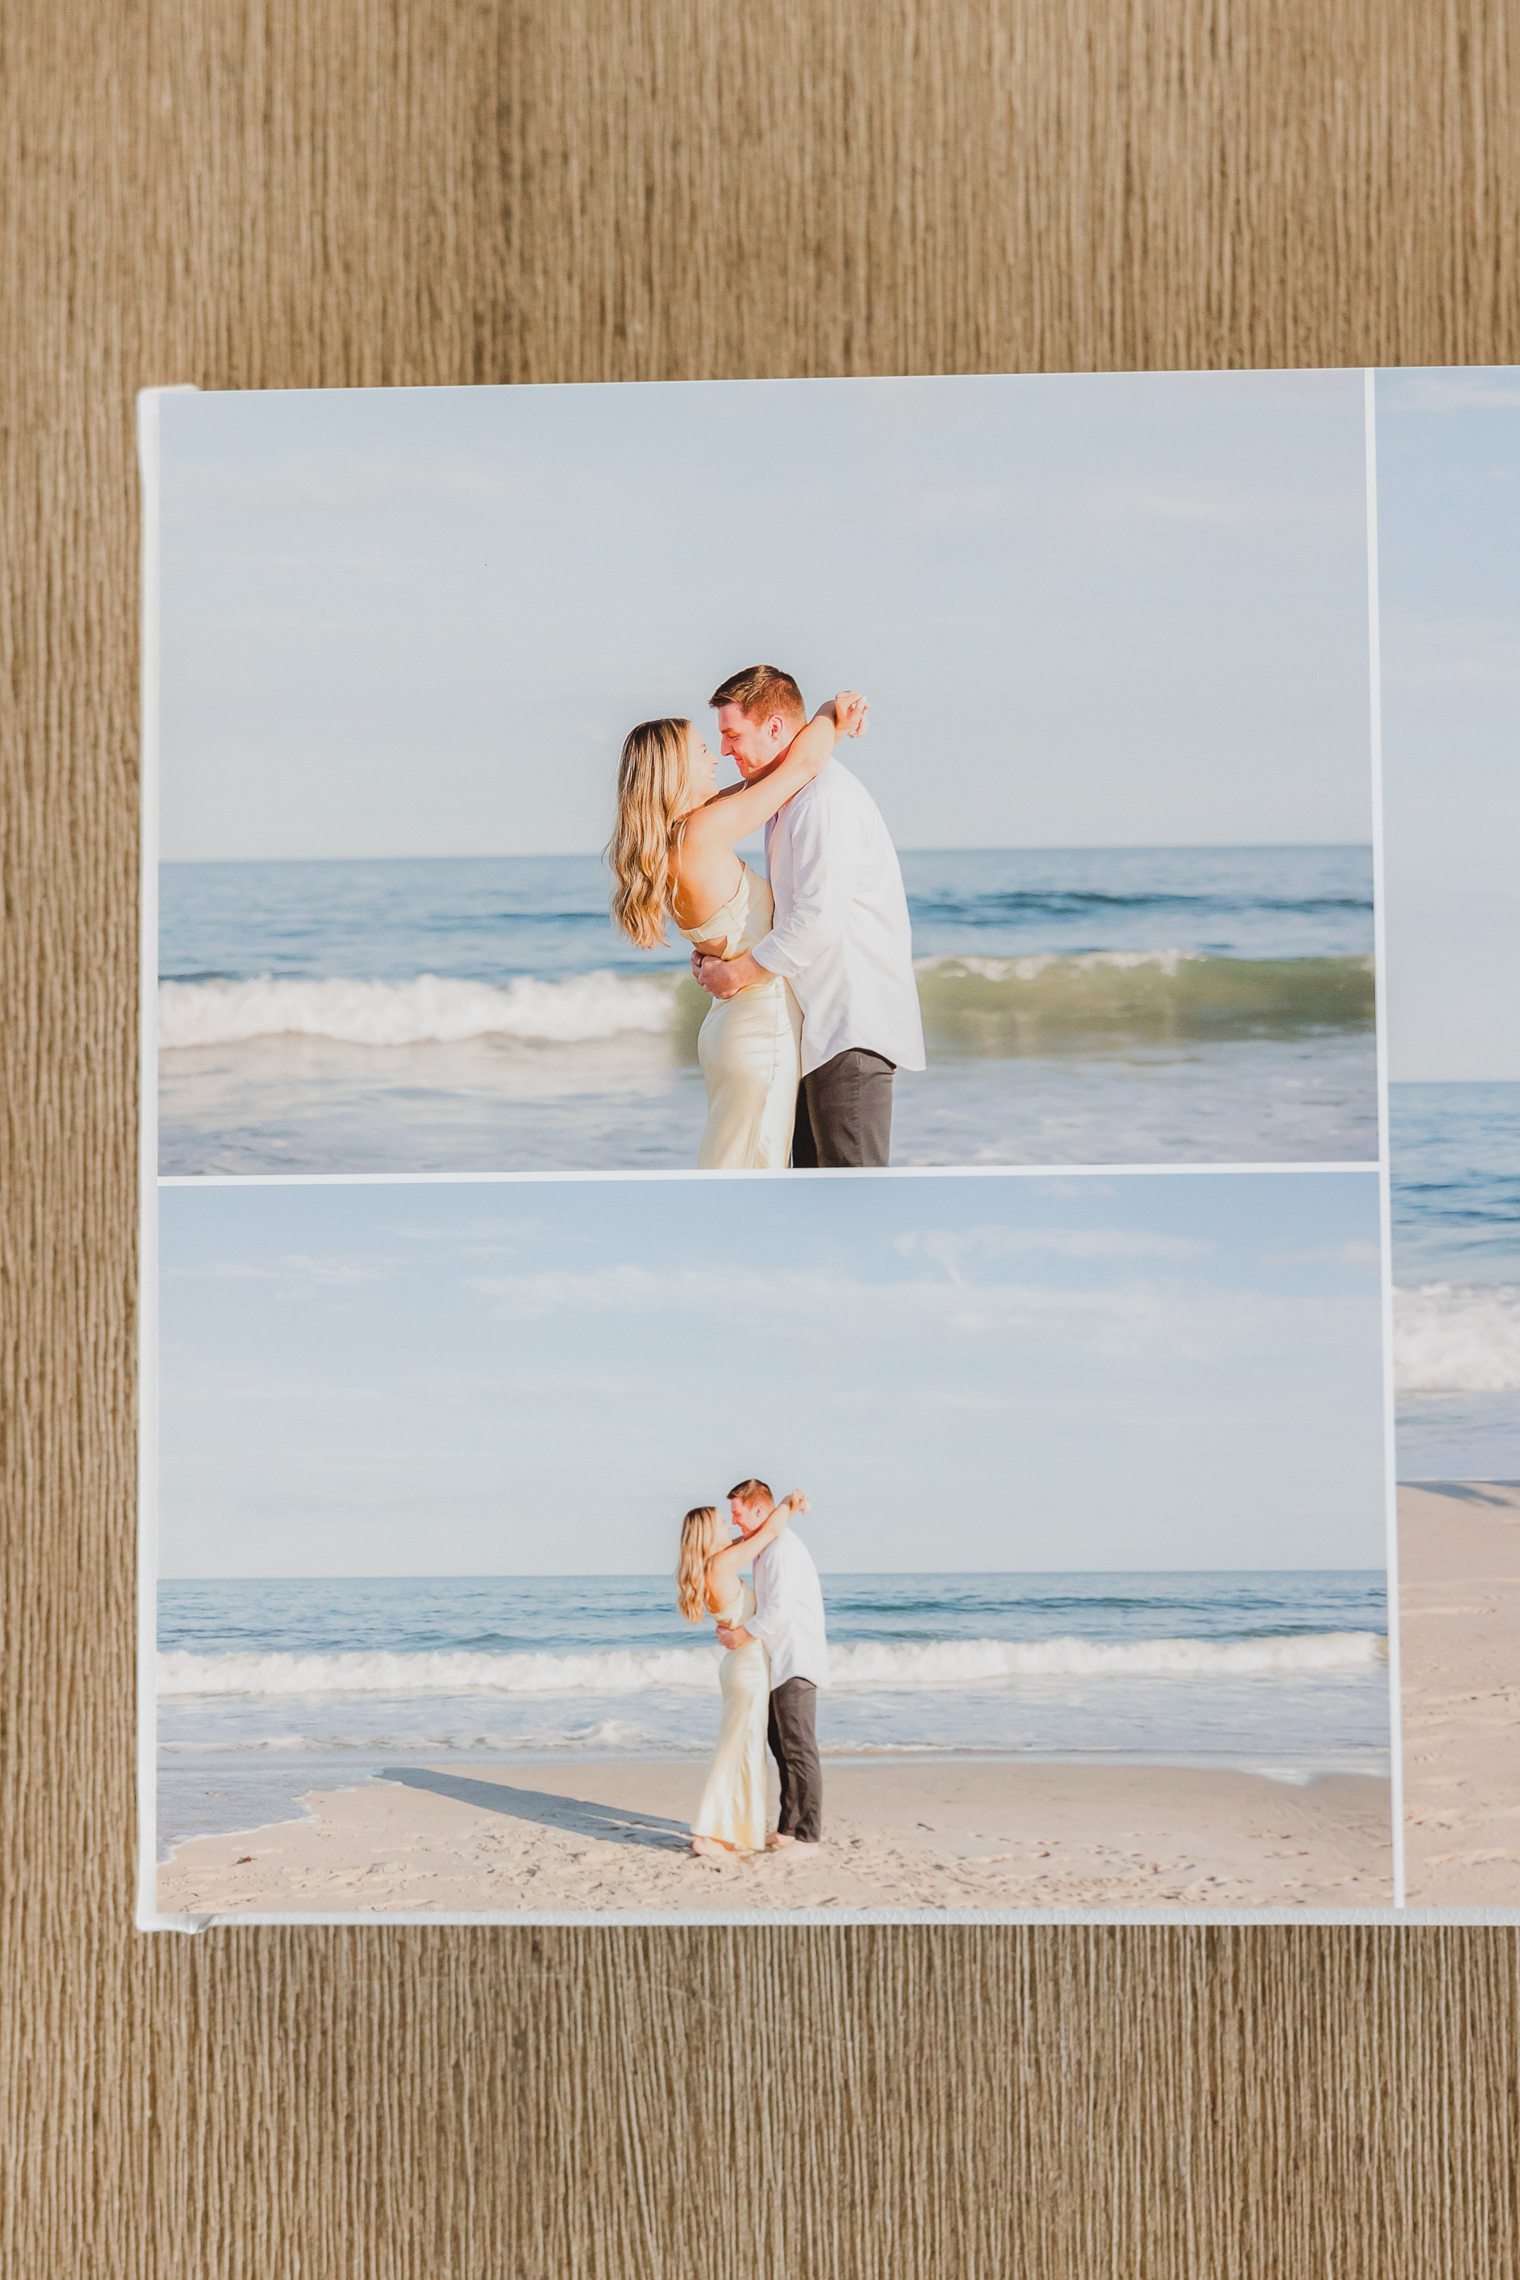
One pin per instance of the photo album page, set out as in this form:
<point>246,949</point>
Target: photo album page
<point>831,1186</point>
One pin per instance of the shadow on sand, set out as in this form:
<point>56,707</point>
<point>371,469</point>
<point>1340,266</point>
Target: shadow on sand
<point>577,1814</point>
<point>1491,1492</point>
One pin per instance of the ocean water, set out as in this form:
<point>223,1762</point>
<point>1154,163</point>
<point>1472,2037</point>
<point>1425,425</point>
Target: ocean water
<point>1454,1155</point>
<point>1109,1005</point>
<point>269,1689</point>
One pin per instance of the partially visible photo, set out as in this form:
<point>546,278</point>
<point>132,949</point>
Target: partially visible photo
<point>1448,450</point>
<point>509,822</point>
<point>864,1546</point>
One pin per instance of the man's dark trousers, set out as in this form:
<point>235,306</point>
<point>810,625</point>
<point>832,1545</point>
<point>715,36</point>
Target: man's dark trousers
<point>844,1113</point>
<point>790,1731</point>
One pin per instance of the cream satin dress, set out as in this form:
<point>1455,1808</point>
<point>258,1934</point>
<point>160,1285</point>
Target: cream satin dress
<point>750,1046</point>
<point>733,1801</point>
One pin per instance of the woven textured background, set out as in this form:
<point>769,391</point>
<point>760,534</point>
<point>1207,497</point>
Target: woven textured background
<point>261,193</point>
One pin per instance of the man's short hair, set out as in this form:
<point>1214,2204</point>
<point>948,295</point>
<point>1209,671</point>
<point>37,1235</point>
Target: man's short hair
<point>759,691</point>
<point>750,1491</point>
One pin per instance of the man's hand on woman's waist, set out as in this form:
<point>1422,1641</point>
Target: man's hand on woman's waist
<point>726,977</point>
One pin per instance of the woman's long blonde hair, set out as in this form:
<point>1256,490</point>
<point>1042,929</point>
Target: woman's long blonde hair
<point>651,786</point>
<point>699,1540</point>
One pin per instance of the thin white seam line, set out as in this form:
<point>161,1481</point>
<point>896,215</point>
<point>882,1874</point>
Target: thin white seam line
<point>1385,1184</point>
<point>1366,1167</point>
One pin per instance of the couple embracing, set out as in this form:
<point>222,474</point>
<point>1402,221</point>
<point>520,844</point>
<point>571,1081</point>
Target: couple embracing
<point>776,1657</point>
<point>811,970</point>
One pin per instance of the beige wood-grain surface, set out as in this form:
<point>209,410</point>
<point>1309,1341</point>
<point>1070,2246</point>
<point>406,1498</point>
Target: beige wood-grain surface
<point>259,193</point>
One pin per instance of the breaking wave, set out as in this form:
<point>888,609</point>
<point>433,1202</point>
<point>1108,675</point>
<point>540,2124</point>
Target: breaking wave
<point>864,1663</point>
<point>430,1010</point>
<point>994,1007</point>
<point>1457,1338</point>
<point>1008,1006</point>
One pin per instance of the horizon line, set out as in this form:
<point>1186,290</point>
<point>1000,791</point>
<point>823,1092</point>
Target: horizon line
<point>1020,847</point>
<point>645,1575</point>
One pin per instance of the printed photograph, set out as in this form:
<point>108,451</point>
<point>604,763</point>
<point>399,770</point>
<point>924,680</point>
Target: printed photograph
<point>848,1546</point>
<point>764,775</point>
<point>1448,447</point>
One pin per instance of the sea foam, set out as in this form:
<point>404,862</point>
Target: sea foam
<point>863,1663</point>
<point>1457,1338</point>
<point>430,1010</point>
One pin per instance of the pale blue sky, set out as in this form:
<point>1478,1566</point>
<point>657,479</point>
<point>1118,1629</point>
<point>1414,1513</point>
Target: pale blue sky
<point>1103,610</point>
<point>1146,1372</point>
<point>1448,447</point>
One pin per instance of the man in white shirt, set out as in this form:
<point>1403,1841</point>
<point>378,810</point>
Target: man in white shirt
<point>840,936</point>
<point>788,1620</point>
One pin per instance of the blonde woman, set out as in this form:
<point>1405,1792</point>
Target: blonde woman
<point>674,854</point>
<point>710,1583</point>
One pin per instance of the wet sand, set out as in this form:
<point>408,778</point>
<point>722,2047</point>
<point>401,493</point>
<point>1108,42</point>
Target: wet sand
<point>552,1837</point>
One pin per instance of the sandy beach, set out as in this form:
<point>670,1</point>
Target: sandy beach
<point>551,1837</point>
<point>1459,1599</point>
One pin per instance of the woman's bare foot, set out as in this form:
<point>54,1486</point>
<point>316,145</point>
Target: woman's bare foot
<point>708,1848</point>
